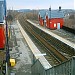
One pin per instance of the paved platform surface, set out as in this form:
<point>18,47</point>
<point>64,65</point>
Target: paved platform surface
<point>20,51</point>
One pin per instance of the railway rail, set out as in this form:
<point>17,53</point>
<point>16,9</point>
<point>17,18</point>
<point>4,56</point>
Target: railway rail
<point>50,49</point>
<point>62,47</point>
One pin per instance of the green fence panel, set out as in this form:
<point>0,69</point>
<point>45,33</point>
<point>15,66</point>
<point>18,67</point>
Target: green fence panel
<point>65,68</point>
<point>38,69</point>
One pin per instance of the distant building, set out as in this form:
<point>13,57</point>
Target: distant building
<point>41,17</point>
<point>54,19</point>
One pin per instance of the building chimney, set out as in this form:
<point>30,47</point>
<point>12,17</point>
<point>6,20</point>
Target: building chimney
<point>50,8</point>
<point>59,8</point>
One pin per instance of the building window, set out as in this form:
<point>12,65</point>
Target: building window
<point>54,24</point>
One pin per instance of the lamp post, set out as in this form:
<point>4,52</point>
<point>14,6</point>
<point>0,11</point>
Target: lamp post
<point>7,44</point>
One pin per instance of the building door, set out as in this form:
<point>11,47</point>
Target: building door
<point>58,25</point>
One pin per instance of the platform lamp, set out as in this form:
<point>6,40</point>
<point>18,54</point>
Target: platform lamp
<point>7,46</point>
<point>7,43</point>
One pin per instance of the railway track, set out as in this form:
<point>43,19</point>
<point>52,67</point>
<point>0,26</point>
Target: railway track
<point>60,46</point>
<point>50,50</point>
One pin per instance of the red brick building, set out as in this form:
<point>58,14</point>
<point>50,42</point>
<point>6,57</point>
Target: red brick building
<point>54,19</point>
<point>2,29</point>
<point>41,16</point>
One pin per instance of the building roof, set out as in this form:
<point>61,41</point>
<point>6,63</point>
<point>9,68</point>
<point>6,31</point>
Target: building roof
<point>1,1</point>
<point>42,13</point>
<point>55,14</point>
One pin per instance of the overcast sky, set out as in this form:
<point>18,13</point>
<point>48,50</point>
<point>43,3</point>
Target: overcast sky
<point>40,4</point>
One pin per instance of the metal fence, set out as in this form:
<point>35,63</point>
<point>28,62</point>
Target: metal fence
<point>38,69</point>
<point>66,68</point>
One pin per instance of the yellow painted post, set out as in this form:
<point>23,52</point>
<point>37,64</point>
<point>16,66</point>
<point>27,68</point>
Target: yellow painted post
<point>12,62</point>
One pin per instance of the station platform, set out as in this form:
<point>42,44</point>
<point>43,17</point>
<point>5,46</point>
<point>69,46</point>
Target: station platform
<point>24,50</point>
<point>20,52</point>
<point>67,39</point>
<point>37,54</point>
